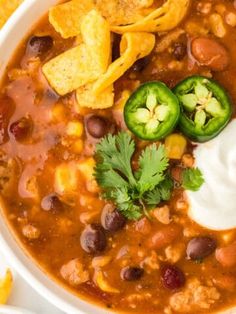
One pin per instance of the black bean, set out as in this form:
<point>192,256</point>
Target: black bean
<point>112,219</point>
<point>179,51</point>
<point>21,129</point>
<point>172,277</point>
<point>93,239</point>
<point>131,273</point>
<point>140,64</point>
<point>39,45</point>
<point>97,126</point>
<point>200,247</point>
<point>51,203</point>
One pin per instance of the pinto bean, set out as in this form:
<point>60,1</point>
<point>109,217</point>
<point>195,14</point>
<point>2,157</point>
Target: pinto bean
<point>209,52</point>
<point>226,256</point>
<point>164,236</point>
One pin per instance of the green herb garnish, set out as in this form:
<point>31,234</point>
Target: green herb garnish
<point>192,179</point>
<point>133,192</point>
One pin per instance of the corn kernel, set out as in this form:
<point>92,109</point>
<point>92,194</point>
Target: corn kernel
<point>75,128</point>
<point>175,145</point>
<point>66,178</point>
<point>77,147</point>
<point>58,112</point>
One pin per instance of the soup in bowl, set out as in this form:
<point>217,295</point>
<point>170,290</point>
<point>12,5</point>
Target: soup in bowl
<point>117,153</point>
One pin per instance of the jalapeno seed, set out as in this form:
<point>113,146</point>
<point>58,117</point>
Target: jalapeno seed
<point>131,273</point>
<point>39,45</point>
<point>112,219</point>
<point>93,239</point>
<point>172,277</point>
<point>97,126</point>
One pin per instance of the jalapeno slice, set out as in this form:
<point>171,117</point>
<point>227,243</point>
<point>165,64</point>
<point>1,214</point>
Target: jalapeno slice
<point>205,108</point>
<point>152,111</point>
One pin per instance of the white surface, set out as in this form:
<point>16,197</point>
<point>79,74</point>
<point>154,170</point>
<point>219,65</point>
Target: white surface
<point>214,205</point>
<point>24,296</point>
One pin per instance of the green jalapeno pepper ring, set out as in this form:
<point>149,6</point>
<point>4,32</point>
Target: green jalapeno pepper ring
<point>152,111</point>
<point>205,108</point>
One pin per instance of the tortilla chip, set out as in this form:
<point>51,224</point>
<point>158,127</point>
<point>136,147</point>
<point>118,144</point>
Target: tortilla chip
<point>5,287</point>
<point>69,70</point>
<point>7,7</point>
<point>119,12</point>
<point>85,63</point>
<point>66,18</point>
<point>86,98</point>
<point>96,35</point>
<point>133,46</point>
<point>164,18</point>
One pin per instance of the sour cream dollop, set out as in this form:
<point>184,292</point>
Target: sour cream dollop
<point>214,205</point>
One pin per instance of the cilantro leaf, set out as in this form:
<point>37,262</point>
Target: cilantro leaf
<point>153,162</point>
<point>166,188</point>
<point>162,192</point>
<point>131,192</point>
<point>153,197</point>
<point>117,151</point>
<point>192,179</point>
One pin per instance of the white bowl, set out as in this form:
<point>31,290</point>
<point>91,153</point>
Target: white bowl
<point>13,310</point>
<point>10,36</point>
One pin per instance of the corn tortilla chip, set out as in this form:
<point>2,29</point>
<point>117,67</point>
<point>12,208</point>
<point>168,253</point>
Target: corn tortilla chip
<point>133,46</point>
<point>85,63</point>
<point>5,287</point>
<point>119,12</point>
<point>66,18</point>
<point>96,35</point>
<point>86,98</point>
<point>7,7</point>
<point>164,18</point>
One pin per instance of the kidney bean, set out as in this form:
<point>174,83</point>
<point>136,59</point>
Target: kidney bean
<point>200,247</point>
<point>131,273</point>
<point>38,46</point>
<point>51,203</point>
<point>209,52</point>
<point>93,239</point>
<point>226,256</point>
<point>21,129</point>
<point>97,126</point>
<point>112,219</point>
<point>172,277</point>
<point>164,236</point>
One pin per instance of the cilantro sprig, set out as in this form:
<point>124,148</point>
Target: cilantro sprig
<point>134,192</point>
<point>192,179</point>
